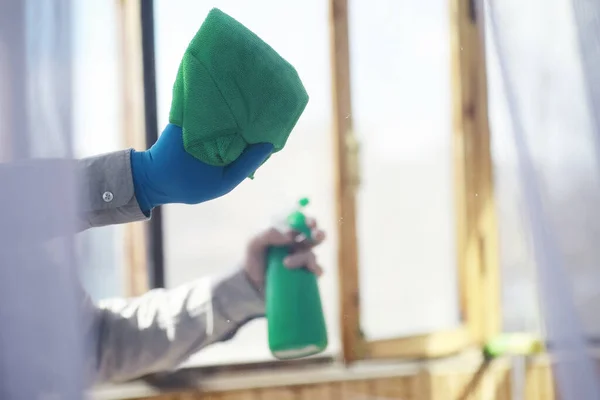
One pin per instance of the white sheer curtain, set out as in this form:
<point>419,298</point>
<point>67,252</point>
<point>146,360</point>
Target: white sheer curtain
<point>544,73</point>
<point>40,346</point>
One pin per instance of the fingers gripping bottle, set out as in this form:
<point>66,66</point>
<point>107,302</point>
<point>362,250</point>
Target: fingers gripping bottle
<point>295,319</point>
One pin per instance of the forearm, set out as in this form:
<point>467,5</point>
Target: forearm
<point>161,329</point>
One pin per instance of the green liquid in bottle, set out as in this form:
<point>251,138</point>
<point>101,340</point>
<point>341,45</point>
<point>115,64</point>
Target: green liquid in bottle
<point>295,319</point>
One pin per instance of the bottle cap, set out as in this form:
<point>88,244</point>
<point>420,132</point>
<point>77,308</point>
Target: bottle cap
<point>303,202</point>
<point>297,219</point>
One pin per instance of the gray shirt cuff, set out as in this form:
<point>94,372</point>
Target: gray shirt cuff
<point>106,187</point>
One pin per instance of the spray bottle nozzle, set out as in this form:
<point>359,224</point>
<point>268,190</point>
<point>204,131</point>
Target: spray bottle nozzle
<point>297,219</point>
<point>303,202</point>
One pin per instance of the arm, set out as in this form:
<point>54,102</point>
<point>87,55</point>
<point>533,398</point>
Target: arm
<point>124,186</point>
<point>161,329</point>
<point>111,186</point>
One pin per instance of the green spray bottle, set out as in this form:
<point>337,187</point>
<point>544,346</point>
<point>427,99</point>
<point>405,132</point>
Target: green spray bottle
<point>295,319</point>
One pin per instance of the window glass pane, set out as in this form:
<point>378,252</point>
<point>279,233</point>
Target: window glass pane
<point>97,130</point>
<point>210,238</point>
<point>400,63</point>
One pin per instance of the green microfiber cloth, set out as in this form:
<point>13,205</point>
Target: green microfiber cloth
<point>233,90</point>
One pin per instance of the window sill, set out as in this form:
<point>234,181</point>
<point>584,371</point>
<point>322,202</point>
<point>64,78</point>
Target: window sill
<point>315,371</point>
<point>431,345</point>
<point>306,372</point>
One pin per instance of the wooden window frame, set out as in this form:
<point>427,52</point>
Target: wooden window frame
<point>134,131</point>
<point>477,255</point>
<point>477,261</point>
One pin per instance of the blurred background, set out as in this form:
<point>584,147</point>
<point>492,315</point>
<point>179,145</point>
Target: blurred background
<point>428,287</point>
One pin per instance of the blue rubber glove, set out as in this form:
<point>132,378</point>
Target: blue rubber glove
<point>167,174</point>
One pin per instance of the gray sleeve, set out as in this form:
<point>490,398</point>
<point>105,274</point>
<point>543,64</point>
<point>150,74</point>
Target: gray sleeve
<point>106,191</point>
<point>159,330</point>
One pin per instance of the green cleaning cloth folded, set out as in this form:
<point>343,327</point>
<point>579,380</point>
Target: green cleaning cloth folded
<point>233,90</point>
